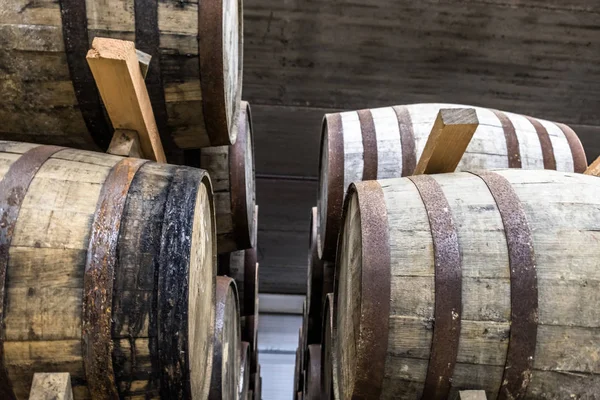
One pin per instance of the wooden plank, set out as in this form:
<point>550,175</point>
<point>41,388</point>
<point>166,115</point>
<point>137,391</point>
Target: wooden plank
<point>451,134</point>
<point>116,70</point>
<point>51,386</point>
<point>524,56</point>
<point>125,143</point>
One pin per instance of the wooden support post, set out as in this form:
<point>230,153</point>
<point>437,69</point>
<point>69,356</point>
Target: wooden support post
<point>125,143</point>
<point>52,386</point>
<point>449,138</point>
<point>472,395</point>
<point>594,168</point>
<point>115,66</point>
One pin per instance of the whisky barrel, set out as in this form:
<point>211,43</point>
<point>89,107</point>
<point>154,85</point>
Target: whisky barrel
<point>244,383</point>
<point>227,342</point>
<point>231,169</point>
<point>250,335</point>
<point>313,373</point>
<point>242,266</point>
<point>314,284</point>
<point>194,79</point>
<point>482,280</point>
<point>387,143</point>
<point>327,350</point>
<point>103,260</point>
<point>257,390</point>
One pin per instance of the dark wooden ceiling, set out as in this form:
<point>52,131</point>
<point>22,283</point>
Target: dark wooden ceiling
<point>304,58</point>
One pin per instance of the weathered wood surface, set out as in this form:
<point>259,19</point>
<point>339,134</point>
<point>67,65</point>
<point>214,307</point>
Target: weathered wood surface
<point>42,51</point>
<point>387,142</point>
<point>56,227</point>
<point>225,378</point>
<point>51,386</point>
<point>232,171</point>
<point>116,69</point>
<point>561,210</point>
<point>524,56</point>
<point>452,132</point>
<point>593,168</point>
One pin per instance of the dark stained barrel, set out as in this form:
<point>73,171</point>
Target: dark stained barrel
<point>104,261</point>
<point>194,80</point>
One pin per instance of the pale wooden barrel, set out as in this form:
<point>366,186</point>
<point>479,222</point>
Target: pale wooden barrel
<point>244,383</point>
<point>314,284</point>
<point>257,389</point>
<point>387,142</point>
<point>327,359</point>
<point>227,342</point>
<point>194,81</point>
<point>103,260</point>
<point>231,169</point>
<point>313,373</point>
<point>483,280</point>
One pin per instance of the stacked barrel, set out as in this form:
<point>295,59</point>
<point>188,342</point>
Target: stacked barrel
<point>139,279</point>
<point>484,279</point>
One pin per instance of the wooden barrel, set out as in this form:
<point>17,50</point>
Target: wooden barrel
<point>387,143</point>
<point>327,351</point>
<point>328,280</point>
<point>243,267</point>
<point>194,79</point>
<point>103,261</point>
<point>227,342</point>
<point>313,373</point>
<point>244,383</point>
<point>231,169</point>
<point>250,335</point>
<point>485,280</point>
<point>314,284</point>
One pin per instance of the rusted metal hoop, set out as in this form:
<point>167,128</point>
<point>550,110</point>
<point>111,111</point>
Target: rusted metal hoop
<point>76,42</point>
<point>147,39</point>
<point>375,288</point>
<point>369,141</point>
<point>545,143</point>
<point>513,151</point>
<point>327,238</point>
<point>242,213</point>
<point>327,387</point>
<point>577,151</point>
<point>96,334</point>
<point>13,188</point>
<point>407,140</point>
<point>523,287</point>
<point>212,81</point>
<point>448,288</point>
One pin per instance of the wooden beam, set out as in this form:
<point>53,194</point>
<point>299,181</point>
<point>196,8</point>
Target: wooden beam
<point>594,168</point>
<point>54,386</point>
<point>125,143</point>
<point>448,140</point>
<point>117,72</point>
<point>472,395</point>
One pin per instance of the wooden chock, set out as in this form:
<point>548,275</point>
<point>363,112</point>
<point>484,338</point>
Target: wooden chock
<point>125,143</point>
<point>116,69</point>
<point>451,134</point>
<point>472,395</point>
<point>594,168</point>
<point>51,386</point>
